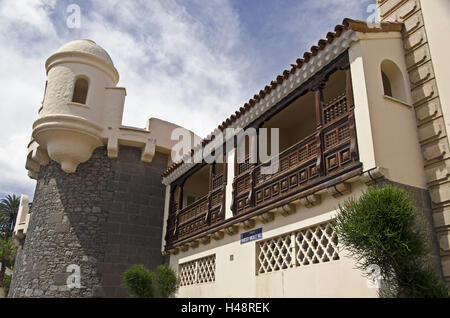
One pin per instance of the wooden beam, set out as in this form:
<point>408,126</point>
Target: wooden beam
<point>318,92</point>
<point>180,198</point>
<point>348,88</point>
<point>212,172</point>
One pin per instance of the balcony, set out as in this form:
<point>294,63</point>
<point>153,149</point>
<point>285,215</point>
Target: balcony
<point>317,148</point>
<point>317,157</point>
<point>204,211</point>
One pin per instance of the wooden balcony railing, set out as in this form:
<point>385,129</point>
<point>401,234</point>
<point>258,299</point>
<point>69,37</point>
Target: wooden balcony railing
<point>326,152</point>
<point>217,181</point>
<point>244,166</point>
<point>194,218</point>
<point>335,109</point>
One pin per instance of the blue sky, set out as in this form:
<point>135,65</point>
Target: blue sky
<point>191,62</point>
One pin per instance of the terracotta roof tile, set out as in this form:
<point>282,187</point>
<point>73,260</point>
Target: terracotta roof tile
<point>306,57</point>
<point>322,43</point>
<point>330,37</point>
<point>347,24</point>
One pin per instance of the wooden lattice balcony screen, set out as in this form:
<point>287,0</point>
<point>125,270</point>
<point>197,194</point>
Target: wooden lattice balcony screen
<point>217,181</point>
<point>326,152</point>
<point>244,166</point>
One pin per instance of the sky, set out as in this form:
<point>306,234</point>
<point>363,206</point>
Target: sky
<point>190,62</point>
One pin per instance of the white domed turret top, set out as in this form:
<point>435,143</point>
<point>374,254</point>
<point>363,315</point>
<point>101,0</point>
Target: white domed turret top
<point>83,109</point>
<point>84,52</point>
<point>87,47</point>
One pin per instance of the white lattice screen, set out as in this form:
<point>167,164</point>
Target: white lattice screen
<point>312,245</point>
<point>202,270</point>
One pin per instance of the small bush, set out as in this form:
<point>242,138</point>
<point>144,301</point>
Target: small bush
<point>6,281</point>
<point>139,281</point>
<point>166,280</point>
<point>142,283</point>
<point>420,282</point>
<point>383,228</point>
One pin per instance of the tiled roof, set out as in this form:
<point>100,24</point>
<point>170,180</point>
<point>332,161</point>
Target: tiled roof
<point>347,24</point>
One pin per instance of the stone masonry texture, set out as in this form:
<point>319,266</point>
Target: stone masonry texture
<point>104,218</point>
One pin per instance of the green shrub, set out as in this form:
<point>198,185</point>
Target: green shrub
<point>166,280</point>
<point>383,228</point>
<point>6,281</point>
<point>142,283</point>
<point>421,282</point>
<point>139,281</point>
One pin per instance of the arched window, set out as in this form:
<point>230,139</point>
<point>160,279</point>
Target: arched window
<point>393,81</point>
<point>80,91</point>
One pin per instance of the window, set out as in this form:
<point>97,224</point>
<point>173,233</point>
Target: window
<point>393,81</point>
<point>202,270</point>
<point>80,91</point>
<point>309,246</point>
<point>386,85</point>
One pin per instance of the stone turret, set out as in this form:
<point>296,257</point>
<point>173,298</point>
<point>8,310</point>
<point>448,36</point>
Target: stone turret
<point>71,120</point>
<point>82,110</point>
<point>99,202</point>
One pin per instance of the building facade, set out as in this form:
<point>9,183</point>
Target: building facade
<point>366,105</point>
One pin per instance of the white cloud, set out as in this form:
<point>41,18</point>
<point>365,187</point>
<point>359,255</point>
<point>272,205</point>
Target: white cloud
<point>192,63</point>
<point>175,66</point>
<point>21,87</point>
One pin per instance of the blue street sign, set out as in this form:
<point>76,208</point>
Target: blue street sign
<point>251,235</point>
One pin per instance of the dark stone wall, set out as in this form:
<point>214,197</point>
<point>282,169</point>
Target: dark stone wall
<point>104,218</point>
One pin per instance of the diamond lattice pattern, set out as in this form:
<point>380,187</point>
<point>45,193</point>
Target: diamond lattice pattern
<point>312,245</point>
<point>275,254</point>
<point>202,270</point>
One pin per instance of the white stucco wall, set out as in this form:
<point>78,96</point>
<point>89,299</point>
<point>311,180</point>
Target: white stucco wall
<point>238,278</point>
<point>392,141</point>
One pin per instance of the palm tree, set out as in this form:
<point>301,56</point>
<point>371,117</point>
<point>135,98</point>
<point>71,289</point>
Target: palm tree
<point>7,255</point>
<point>8,212</point>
